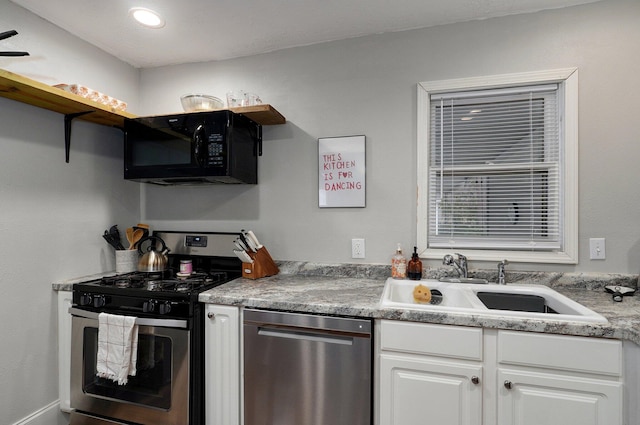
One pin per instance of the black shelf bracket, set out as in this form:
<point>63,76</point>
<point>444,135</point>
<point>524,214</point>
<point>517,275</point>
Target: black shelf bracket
<point>67,131</point>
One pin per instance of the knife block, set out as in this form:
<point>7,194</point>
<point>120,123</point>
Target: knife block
<point>262,266</point>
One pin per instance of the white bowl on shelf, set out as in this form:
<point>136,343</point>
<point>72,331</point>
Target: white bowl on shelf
<point>200,102</point>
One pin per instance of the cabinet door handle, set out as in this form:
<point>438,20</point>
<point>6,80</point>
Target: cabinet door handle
<point>508,385</point>
<point>210,315</point>
<point>475,380</point>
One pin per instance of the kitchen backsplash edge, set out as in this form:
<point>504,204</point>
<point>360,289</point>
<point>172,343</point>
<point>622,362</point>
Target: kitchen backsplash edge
<point>381,271</point>
<point>591,281</point>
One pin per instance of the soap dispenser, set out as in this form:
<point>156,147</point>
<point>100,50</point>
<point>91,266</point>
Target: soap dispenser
<point>414,268</point>
<point>398,264</point>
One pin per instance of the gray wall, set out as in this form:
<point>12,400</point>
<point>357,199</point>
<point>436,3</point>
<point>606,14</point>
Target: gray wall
<point>367,86</point>
<point>52,214</point>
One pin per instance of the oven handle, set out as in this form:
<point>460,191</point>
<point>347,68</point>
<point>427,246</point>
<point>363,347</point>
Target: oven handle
<point>140,321</point>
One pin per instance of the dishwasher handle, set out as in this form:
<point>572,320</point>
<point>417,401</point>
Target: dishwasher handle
<point>309,322</point>
<point>306,336</point>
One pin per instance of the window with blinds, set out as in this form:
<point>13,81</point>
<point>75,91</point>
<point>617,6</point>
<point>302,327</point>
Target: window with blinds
<point>494,169</point>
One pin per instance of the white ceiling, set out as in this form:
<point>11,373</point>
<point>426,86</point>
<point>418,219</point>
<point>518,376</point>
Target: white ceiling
<point>205,30</point>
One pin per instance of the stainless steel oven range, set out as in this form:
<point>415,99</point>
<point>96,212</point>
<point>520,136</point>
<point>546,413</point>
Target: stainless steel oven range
<point>168,387</point>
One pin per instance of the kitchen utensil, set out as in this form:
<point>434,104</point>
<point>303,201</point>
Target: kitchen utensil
<point>619,291</point>
<point>243,239</point>
<point>129,235</point>
<point>239,243</point>
<point>137,235</point>
<point>242,255</point>
<point>107,237</point>
<point>115,234</point>
<point>200,102</point>
<point>250,243</point>
<point>112,236</point>
<point>153,260</point>
<point>251,236</point>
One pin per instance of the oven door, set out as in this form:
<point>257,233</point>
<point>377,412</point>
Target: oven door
<point>157,395</point>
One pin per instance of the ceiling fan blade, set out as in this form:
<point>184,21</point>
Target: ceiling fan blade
<point>14,53</point>
<point>8,34</point>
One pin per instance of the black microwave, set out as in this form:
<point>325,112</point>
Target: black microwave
<point>192,148</point>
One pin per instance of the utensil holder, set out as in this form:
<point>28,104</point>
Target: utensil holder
<point>126,261</point>
<point>262,266</point>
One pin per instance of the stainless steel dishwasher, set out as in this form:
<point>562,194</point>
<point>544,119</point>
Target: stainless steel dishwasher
<point>302,369</point>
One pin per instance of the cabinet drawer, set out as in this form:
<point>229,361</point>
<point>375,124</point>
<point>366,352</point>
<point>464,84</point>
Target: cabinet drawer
<point>578,354</point>
<point>437,340</point>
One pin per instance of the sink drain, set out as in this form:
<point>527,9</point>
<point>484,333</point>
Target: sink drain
<point>436,297</point>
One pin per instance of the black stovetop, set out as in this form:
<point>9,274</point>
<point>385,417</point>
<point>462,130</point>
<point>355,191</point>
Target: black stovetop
<point>148,294</point>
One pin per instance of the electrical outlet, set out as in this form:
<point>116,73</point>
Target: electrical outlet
<point>597,249</point>
<point>357,248</point>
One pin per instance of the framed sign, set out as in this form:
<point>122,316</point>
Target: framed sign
<point>341,172</point>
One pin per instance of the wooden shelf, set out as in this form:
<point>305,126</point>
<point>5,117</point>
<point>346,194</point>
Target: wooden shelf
<point>262,114</point>
<point>26,90</point>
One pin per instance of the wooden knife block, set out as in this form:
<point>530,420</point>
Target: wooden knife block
<point>262,266</point>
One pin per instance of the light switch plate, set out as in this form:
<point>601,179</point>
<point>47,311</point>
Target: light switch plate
<point>597,249</point>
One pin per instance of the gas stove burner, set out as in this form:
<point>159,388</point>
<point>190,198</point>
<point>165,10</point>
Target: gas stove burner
<point>129,280</point>
<point>153,275</point>
<point>155,285</point>
<point>184,287</point>
<point>122,283</point>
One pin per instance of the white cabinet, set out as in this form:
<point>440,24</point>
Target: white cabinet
<point>430,374</point>
<point>456,375</point>
<point>558,380</point>
<point>419,391</point>
<point>222,365</point>
<point>554,399</point>
<point>64,350</point>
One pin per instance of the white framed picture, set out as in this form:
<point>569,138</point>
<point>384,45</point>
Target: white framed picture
<point>341,172</point>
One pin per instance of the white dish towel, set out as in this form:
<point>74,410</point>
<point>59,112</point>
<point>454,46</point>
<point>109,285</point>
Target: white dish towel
<point>117,347</point>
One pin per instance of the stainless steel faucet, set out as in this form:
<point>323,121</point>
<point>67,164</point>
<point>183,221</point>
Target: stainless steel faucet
<point>501,276</point>
<point>460,265</point>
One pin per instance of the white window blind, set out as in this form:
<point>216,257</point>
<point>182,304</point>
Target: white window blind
<point>495,169</point>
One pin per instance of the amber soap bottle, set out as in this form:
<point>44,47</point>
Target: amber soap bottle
<point>414,268</point>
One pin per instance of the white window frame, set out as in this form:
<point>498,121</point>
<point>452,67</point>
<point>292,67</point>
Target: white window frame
<point>568,79</point>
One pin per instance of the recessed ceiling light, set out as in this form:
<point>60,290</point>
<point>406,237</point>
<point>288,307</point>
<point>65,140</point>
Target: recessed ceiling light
<point>475,111</point>
<point>147,17</point>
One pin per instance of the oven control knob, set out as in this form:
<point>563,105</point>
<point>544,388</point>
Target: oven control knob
<point>149,306</point>
<point>85,299</point>
<point>165,307</point>
<point>99,301</point>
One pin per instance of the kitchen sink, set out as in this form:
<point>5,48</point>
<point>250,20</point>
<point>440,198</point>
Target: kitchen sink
<point>533,301</point>
<point>515,301</point>
<point>445,296</point>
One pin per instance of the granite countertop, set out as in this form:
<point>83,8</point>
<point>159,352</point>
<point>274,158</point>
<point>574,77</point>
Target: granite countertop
<point>359,296</point>
<point>355,290</point>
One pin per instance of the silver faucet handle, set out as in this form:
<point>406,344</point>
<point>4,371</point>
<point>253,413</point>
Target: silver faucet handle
<point>462,260</point>
<point>447,260</point>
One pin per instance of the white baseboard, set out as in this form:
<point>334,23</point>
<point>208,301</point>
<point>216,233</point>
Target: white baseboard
<point>48,415</point>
